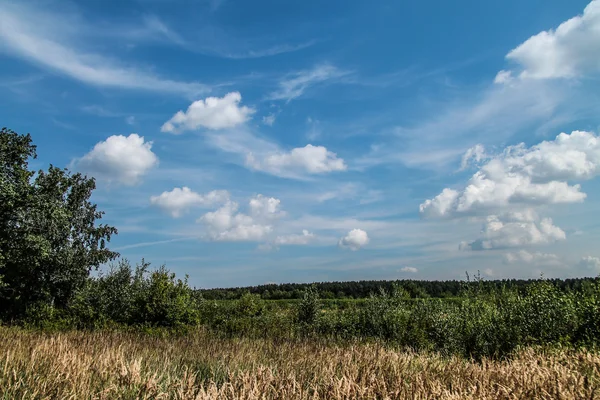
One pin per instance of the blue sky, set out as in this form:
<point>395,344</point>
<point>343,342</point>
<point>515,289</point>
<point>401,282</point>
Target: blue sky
<point>251,142</point>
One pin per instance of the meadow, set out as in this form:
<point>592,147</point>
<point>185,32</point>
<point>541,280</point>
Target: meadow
<point>199,365</point>
<point>141,333</point>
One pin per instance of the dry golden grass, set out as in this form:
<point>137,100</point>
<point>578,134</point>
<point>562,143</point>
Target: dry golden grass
<point>106,365</point>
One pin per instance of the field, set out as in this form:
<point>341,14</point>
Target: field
<point>135,335</point>
<point>200,365</point>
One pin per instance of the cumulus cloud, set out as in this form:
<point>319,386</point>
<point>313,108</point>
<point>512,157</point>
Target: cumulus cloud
<point>515,230</point>
<point>536,258</point>
<point>265,207</point>
<point>354,240</point>
<point>210,113</point>
<point>411,270</point>
<point>179,200</point>
<point>120,159</point>
<point>309,159</point>
<point>227,224</point>
<point>520,175</point>
<point>298,240</point>
<point>571,50</point>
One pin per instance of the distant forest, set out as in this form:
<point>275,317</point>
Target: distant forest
<point>363,289</point>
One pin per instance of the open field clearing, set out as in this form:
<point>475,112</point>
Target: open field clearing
<point>108,365</point>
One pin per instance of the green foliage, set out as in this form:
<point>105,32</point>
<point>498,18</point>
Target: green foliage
<point>308,308</point>
<point>49,240</point>
<point>249,305</point>
<point>383,315</point>
<point>416,289</point>
<point>140,297</point>
<point>162,300</point>
<point>588,305</point>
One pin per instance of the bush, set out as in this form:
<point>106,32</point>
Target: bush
<point>548,315</point>
<point>588,306</point>
<point>309,307</point>
<point>140,297</point>
<point>249,305</point>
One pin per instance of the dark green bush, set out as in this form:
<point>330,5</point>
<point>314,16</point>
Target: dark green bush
<point>140,297</point>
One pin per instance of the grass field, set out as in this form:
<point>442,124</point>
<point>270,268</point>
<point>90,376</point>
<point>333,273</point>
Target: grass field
<point>110,365</point>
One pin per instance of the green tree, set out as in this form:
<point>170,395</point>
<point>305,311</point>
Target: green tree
<point>49,240</point>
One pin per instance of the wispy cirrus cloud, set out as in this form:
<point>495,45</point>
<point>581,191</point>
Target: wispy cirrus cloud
<point>247,51</point>
<point>496,114</point>
<point>209,39</point>
<point>42,38</point>
<point>294,85</point>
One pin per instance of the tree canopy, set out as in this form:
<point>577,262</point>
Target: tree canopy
<point>49,238</point>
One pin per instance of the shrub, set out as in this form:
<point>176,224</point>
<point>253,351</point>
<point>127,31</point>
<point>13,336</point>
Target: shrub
<point>308,307</point>
<point>140,297</point>
<point>249,305</point>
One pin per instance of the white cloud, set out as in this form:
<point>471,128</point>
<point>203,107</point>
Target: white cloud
<point>354,240</point>
<point>590,263</point>
<point>305,238</point>
<point>130,120</point>
<point>211,113</point>
<point>569,51</point>
<point>411,270</point>
<point>473,156</point>
<point>47,39</point>
<point>309,159</point>
<point>294,85</point>
<point>269,120</point>
<point>520,175</point>
<point>227,224</point>
<point>265,207</point>
<point>441,205</point>
<point>121,159</point>
<point>503,77</point>
<point>536,258</point>
<point>179,200</point>
<point>515,230</point>
<point>258,153</point>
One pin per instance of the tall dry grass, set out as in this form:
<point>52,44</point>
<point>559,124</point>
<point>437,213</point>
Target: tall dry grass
<point>111,365</point>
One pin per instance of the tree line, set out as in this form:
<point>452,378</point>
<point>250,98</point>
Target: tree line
<point>364,289</point>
